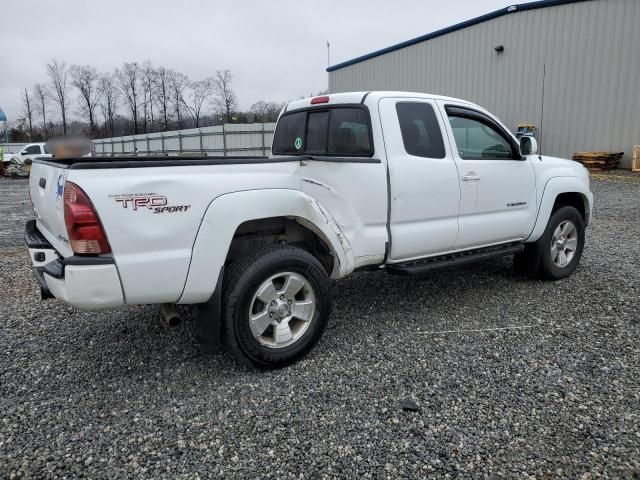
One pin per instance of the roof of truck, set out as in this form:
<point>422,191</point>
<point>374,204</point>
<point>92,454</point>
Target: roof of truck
<point>361,97</point>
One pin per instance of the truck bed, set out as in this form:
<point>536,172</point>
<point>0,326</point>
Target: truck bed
<point>87,163</point>
<point>130,161</point>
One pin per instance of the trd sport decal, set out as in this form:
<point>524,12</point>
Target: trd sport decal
<point>150,201</point>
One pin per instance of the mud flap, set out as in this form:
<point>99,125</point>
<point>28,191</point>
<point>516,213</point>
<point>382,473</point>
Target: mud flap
<point>528,262</point>
<point>208,321</point>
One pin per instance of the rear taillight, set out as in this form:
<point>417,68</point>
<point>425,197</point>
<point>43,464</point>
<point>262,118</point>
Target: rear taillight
<point>86,234</point>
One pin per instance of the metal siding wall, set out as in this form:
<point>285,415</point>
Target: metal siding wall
<point>239,139</point>
<point>592,89</point>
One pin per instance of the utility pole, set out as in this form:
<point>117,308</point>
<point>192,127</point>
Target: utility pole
<point>328,54</point>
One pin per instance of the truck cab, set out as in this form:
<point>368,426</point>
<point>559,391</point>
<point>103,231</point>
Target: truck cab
<point>449,176</point>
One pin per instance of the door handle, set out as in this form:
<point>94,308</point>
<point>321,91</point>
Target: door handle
<point>469,178</point>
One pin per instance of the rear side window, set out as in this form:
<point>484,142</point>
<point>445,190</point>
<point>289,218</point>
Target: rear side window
<point>349,132</point>
<point>289,136</point>
<point>337,131</point>
<point>421,133</point>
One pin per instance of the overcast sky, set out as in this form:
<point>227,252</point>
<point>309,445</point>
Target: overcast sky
<point>275,49</point>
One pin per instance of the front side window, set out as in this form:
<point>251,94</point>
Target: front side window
<point>421,133</point>
<point>336,131</point>
<point>32,150</point>
<point>478,140</point>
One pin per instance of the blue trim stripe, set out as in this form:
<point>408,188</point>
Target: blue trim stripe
<point>458,26</point>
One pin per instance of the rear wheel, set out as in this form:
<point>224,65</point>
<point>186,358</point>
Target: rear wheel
<point>276,303</point>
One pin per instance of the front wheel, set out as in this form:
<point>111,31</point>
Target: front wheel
<point>560,248</point>
<point>276,303</point>
<point>562,243</point>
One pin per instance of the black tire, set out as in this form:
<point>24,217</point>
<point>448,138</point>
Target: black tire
<point>242,280</point>
<point>548,269</point>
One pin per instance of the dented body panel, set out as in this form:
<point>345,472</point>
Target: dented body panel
<point>233,209</point>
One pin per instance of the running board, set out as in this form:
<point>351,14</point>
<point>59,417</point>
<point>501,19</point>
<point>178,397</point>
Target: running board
<point>422,265</point>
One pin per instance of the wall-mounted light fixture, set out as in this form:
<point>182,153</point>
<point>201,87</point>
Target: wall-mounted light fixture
<point>499,48</point>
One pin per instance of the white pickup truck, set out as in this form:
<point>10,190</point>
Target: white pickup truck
<point>28,152</point>
<point>404,182</point>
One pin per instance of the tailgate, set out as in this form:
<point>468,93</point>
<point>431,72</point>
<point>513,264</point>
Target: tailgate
<point>46,185</point>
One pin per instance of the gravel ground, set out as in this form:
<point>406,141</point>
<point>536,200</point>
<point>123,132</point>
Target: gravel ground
<point>15,209</point>
<point>513,378</point>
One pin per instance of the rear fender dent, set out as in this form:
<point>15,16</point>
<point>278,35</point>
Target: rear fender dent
<point>227,212</point>
<point>337,242</point>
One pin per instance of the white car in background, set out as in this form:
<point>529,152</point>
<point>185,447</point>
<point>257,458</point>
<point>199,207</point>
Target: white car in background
<point>30,151</point>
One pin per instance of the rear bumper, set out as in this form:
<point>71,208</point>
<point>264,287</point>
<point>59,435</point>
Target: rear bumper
<point>87,282</point>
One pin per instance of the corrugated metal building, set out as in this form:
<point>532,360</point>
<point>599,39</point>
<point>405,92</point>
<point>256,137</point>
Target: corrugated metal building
<point>590,50</point>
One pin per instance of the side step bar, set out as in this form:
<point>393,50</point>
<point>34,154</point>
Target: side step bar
<point>422,265</point>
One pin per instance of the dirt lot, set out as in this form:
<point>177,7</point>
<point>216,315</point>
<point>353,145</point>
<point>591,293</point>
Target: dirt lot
<point>514,378</point>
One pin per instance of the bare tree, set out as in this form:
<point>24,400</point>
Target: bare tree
<point>57,72</point>
<point>178,83</point>
<point>85,78</point>
<point>147,77</point>
<point>28,111</point>
<point>266,111</point>
<point>197,94</point>
<point>162,86</point>
<point>259,109</point>
<point>225,101</point>
<point>41,97</point>
<point>109,98</point>
<point>273,111</point>
<point>128,81</point>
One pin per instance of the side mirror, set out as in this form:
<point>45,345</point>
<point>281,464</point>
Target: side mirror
<point>23,152</point>
<point>528,145</point>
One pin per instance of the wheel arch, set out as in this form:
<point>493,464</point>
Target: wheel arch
<point>292,230</point>
<point>559,192</point>
<point>572,199</point>
<point>233,218</point>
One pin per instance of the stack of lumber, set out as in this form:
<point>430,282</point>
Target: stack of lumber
<point>598,161</point>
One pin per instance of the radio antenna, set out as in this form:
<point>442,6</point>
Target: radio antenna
<point>544,75</point>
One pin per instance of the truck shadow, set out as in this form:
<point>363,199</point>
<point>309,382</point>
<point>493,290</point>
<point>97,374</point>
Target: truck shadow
<point>130,345</point>
<point>472,296</point>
